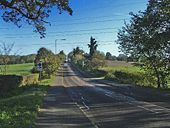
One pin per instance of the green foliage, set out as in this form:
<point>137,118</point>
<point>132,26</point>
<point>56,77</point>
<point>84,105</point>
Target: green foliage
<point>136,78</point>
<point>91,62</point>
<point>77,50</point>
<point>93,46</point>
<point>21,110</point>
<point>10,83</point>
<point>147,38</point>
<point>5,50</point>
<point>108,56</point>
<point>94,64</point>
<point>122,57</point>
<point>30,79</point>
<point>17,59</point>
<point>32,12</point>
<point>50,62</point>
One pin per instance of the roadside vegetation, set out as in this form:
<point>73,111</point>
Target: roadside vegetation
<point>22,92</point>
<point>21,107</point>
<point>145,41</point>
<point>121,69</point>
<point>146,38</point>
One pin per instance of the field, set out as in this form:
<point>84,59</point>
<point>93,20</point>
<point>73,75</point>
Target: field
<point>19,69</point>
<point>124,72</point>
<point>112,66</point>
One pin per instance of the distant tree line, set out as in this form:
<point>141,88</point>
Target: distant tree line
<point>120,57</point>
<point>17,59</point>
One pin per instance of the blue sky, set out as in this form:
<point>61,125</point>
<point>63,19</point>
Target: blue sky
<point>98,18</point>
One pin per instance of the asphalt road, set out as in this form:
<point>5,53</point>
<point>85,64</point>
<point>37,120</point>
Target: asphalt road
<point>75,101</point>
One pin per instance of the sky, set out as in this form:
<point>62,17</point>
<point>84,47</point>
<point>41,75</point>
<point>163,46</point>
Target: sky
<point>100,19</point>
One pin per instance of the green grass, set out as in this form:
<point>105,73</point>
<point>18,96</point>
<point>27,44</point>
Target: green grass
<point>130,69</point>
<point>20,110</point>
<point>19,69</point>
<point>112,66</point>
<point>134,74</point>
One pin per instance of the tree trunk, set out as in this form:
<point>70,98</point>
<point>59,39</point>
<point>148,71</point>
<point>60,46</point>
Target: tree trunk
<point>158,77</point>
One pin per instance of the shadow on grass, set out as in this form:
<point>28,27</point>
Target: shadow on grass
<point>20,108</point>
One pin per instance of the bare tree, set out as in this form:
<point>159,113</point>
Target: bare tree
<point>5,50</point>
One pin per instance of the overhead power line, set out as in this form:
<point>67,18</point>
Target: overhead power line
<point>71,31</point>
<point>72,43</point>
<point>115,5</point>
<point>79,23</point>
<point>94,17</point>
<point>75,34</point>
<point>91,22</point>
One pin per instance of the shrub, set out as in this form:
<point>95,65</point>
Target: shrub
<point>135,78</point>
<point>30,79</point>
<point>10,83</point>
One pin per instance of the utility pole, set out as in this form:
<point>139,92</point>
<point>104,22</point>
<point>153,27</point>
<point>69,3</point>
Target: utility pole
<point>56,46</point>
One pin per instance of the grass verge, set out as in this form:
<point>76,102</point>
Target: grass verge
<point>20,111</point>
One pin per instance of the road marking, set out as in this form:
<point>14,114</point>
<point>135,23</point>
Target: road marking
<point>92,122</point>
<point>62,77</point>
<point>109,95</point>
<point>80,108</point>
<point>85,105</point>
<point>82,98</point>
<point>48,98</point>
<point>144,105</point>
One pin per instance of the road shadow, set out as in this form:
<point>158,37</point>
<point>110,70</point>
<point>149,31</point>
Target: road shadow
<point>60,110</point>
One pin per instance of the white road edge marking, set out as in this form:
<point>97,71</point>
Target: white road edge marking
<point>153,110</point>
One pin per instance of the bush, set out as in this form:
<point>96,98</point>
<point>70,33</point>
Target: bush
<point>9,83</point>
<point>34,70</point>
<point>109,76</point>
<point>135,78</point>
<point>30,79</point>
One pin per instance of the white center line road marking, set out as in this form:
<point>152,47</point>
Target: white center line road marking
<point>85,105</point>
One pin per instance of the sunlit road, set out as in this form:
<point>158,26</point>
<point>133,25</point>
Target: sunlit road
<point>75,101</point>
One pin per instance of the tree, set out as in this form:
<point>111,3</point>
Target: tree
<point>62,56</point>
<point>108,56</point>
<point>147,38</point>
<point>77,56</point>
<point>34,12</point>
<point>93,46</point>
<point>122,57</point>
<point>97,61</point>
<point>50,61</point>
<point>77,50</point>
<point>5,51</point>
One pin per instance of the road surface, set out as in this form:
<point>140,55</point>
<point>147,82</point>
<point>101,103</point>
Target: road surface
<point>75,101</point>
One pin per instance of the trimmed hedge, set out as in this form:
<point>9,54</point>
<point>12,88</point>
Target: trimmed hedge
<point>9,83</point>
<point>30,79</point>
<point>135,78</point>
